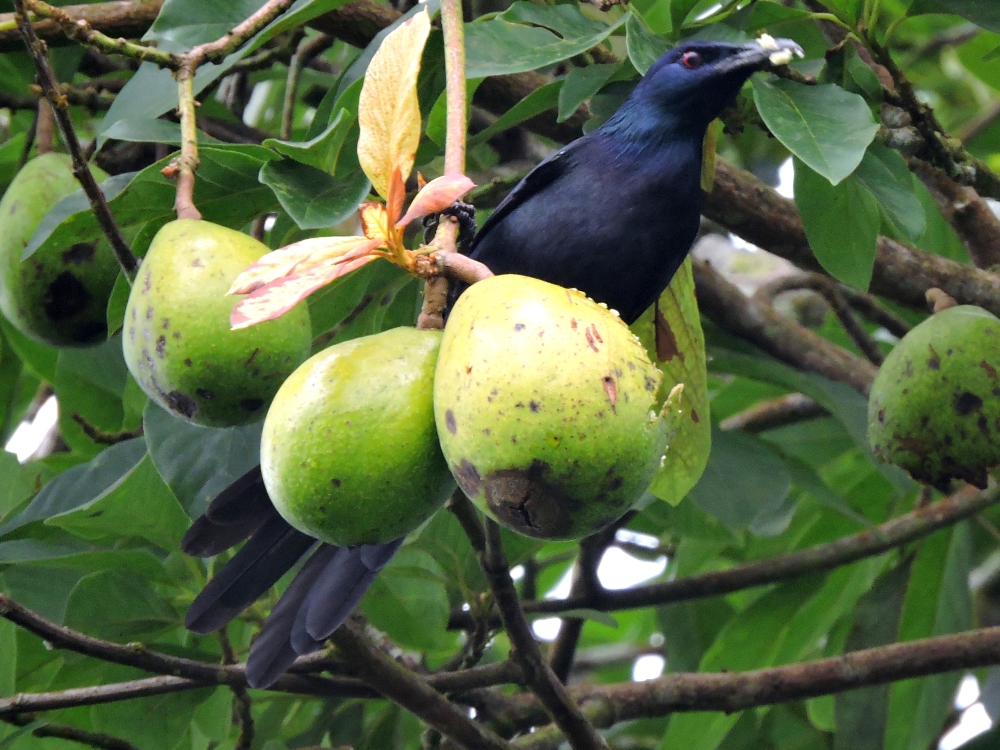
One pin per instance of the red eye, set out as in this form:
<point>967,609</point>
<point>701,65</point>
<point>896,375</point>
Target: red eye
<point>691,60</point>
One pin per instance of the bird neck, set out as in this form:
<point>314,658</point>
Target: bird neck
<point>641,129</point>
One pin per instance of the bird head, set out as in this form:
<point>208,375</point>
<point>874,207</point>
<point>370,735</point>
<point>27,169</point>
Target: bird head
<point>694,82</point>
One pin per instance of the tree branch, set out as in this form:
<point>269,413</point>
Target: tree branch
<point>830,291</point>
<point>894,533</point>
<point>126,259</point>
<point>401,686</point>
<point>552,694</point>
<point>737,691</point>
<point>774,413</point>
<point>73,734</point>
<point>759,323</point>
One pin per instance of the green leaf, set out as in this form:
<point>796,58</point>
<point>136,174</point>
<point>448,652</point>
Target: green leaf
<point>409,590</point>
<point>938,602</point>
<point>744,478</point>
<point>322,151</point>
<point>77,554</point>
<point>643,46</point>
<point>151,130</point>
<point>500,47</point>
<point>81,485</point>
<point>845,248</point>
<point>39,358</point>
<point>824,126</point>
<point>437,120</point>
<point>191,22</point>
<point>581,84</point>
<point>90,383</point>
<point>197,463</point>
<point>693,626</point>
<point>20,732</point>
<point>117,303</point>
<point>74,203</point>
<point>985,13</point>
<point>679,10</point>
<point>540,100</point>
<point>671,332</point>
<point>119,606</point>
<point>314,199</point>
<point>8,659</point>
<point>226,192</point>
<point>141,505</point>
<point>160,722</point>
<point>860,715</point>
<point>19,481</point>
<point>884,174</point>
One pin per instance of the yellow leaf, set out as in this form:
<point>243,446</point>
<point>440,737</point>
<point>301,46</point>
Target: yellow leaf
<point>388,111</point>
<point>274,298</point>
<point>289,259</point>
<point>671,332</point>
<point>375,221</point>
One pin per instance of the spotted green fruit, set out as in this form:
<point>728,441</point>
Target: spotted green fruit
<point>935,404</point>
<point>545,405</point>
<point>59,295</point>
<point>177,340</point>
<point>349,451</point>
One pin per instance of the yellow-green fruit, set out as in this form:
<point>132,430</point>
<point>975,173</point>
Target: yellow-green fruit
<point>177,340</point>
<point>545,404</point>
<point>934,408</point>
<point>59,295</point>
<point>349,451</point>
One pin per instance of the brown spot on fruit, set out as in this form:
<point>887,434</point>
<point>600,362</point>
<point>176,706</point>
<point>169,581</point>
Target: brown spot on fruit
<point>935,360</point>
<point>181,403</point>
<point>79,253</point>
<point>205,393</point>
<point>188,362</point>
<point>534,406</point>
<point>519,326</point>
<point>161,347</point>
<point>990,369</point>
<point>610,389</point>
<point>965,403</point>
<point>590,340</point>
<point>335,482</point>
<point>65,297</point>
<point>694,416</point>
<point>252,357</point>
<point>449,421</point>
<point>467,477</point>
<point>251,405</point>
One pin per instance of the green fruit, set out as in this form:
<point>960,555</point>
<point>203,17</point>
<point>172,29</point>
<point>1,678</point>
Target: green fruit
<point>349,451</point>
<point>935,404</point>
<point>177,340</point>
<point>545,405</point>
<point>58,296</point>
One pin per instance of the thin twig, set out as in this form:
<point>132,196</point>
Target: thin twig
<point>73,734</point>
<point>869,308</point>
<point>774,413</point>
<point>828,289</point>
<point>895,533</point>
<point>126,259</point>
<point>552,694</point>
<point>237,36</point>
<point>183,167</point>
<point>304,54</point>
<point>244,704</point>
<point>759,323</point>
<point>403,687</point>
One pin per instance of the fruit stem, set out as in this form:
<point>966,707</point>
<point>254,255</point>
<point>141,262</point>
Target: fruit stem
<point>184,166</point>
<point>436,288</point>
<point>81,170</point>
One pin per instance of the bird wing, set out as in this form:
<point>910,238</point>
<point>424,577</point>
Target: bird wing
<point>539,178</point>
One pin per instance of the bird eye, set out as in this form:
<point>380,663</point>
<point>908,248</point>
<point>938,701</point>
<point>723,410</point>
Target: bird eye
<point>691,60</point>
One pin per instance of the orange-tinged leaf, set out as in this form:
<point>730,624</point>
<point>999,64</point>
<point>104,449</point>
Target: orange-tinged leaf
<point>436,196</point>
<point>290,259</point>
<point>397,196</point>
<point>375,221</point>
<point>278,297</point>
<point>388,111</point>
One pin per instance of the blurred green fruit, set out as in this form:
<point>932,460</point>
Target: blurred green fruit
<point>934,408</point>
<point>59,295</point>
<point>177,340</point>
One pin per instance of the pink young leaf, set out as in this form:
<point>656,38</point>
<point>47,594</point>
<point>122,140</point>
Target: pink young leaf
<point>291,259</point>
<point>436,196</point>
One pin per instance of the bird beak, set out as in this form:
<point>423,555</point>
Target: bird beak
<point>760,54</point>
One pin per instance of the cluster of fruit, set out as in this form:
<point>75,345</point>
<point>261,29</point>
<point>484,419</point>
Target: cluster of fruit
<point>539,403</point>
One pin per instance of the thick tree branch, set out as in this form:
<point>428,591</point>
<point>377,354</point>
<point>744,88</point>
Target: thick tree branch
<point>401,686</point>
<point>899,531</point>
<point>96,694</point>
<point>758,322</point>
<point>749,208</point>
<point>737,691</point>
<point>81,170</point>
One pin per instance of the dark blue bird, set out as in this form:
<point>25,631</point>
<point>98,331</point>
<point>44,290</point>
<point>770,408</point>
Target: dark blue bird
<point>612,214</point>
